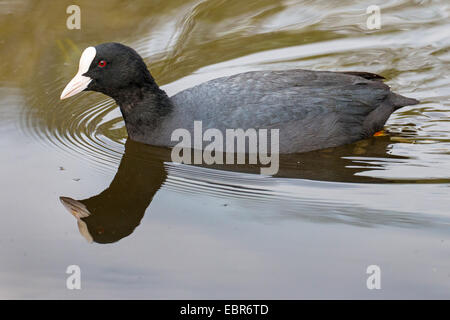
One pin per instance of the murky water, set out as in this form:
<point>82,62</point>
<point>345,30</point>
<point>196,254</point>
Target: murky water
<point>164,230</point>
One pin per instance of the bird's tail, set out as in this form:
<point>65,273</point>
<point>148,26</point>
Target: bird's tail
<point>399,101</point>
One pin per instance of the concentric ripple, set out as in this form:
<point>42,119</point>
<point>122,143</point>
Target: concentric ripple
<point>97,133</point>
<point>92,132</point>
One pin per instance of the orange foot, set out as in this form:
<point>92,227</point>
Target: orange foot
<point>379,133</point>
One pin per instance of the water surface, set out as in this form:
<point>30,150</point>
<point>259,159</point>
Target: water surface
<point>162,230</point>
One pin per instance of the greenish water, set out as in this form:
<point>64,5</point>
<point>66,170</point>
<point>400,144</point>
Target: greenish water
<point>162,230</point>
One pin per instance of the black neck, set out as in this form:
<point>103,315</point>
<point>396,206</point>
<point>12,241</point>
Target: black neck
<point>143,107</point>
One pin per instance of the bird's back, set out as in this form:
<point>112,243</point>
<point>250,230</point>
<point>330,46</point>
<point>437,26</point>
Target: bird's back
<point>312,109</point>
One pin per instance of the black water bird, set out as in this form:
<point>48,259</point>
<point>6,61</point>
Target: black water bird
<point>312,109</point>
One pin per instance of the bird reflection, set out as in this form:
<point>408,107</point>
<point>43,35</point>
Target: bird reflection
<point>118,210</point>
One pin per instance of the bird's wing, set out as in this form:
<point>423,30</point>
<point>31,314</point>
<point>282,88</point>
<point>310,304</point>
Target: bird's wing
<point>269,98</point>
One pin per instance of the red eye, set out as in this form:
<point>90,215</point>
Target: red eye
<point>102,63</point>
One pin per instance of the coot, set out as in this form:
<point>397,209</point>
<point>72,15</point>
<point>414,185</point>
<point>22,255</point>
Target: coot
<point>311,109</point>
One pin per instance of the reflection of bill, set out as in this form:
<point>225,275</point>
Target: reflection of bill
<point>233,148</point>
<point>79,211</point>
<point>118,210</point>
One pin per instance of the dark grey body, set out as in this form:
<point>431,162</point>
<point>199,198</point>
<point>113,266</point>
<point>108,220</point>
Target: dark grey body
<point>312,110</point>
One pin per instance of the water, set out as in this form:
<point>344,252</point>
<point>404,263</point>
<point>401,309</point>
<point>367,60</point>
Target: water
<point>162,230</point>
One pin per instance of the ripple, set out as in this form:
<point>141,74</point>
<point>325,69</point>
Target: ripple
<point>94,132</point>
<point>304,199</point>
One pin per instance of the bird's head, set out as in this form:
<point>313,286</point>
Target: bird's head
<point>108,68</point>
